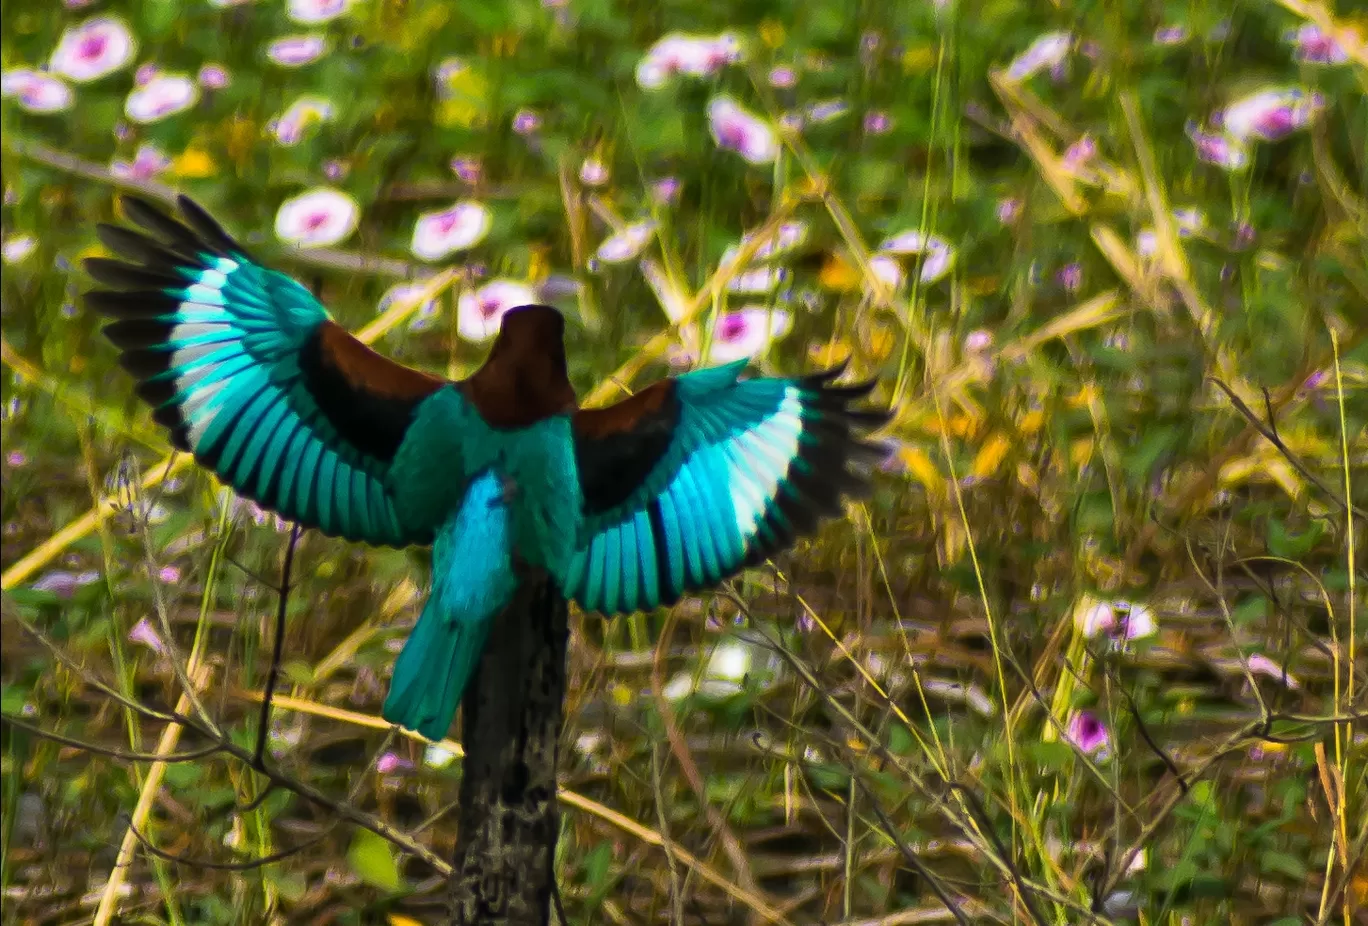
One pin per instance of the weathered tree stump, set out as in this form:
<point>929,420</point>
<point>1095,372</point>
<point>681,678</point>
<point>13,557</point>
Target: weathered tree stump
<point>503,869</point>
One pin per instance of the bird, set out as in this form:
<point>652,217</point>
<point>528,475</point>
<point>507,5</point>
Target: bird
<point>625,508</point>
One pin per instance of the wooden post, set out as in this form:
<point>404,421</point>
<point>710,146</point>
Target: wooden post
<point>503,869</point>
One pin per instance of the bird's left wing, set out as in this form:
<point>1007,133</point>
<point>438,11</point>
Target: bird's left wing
<point>699,476</point>
<point>250,374</point>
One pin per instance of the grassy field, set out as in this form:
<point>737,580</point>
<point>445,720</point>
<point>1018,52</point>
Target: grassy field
<point>1093,651</point>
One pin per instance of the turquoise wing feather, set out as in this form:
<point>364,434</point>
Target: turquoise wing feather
<point>249,373</point>
<point>690,481</point>
<point>472,581</point>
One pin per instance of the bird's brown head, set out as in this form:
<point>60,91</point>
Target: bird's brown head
<point>524,378</point>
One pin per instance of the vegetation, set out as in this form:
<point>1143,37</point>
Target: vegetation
<point>1094,649</point>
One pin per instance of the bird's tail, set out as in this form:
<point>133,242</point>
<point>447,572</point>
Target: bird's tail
<point>472,581</point>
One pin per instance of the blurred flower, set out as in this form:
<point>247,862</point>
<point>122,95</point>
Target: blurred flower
<point>877,122</point>
<point>1008,209</point>
<point>1170,35</point>
<point>1224,152</point>
<point>1087,733</point>
<point>783,77</point>
<point>213,77</point>
<point>64,583</point>
<point>37,92</point>
<point>672,301</point>
<point>1121,620</point>
<point>746,332</point>
<point>937,254</point>
<point>99,46</point>
<point>1260,664</point>
<point>438,756</point>
<point>737,130</point>
<point>666,190</point>
<point>426,313</point>
<point>148,161</point>
<point>785,238</point>
<point>304,113</point>
<point>525,122</point>
<point>1190,221</point>
<point>335,169</point>
<point>1146,243</point>
<point>169,575</point>
<point>593,172</point>
<point>143,632</point>
<point>1070,276</point>
<point>467,169</point>
<point>1271,114</point>
<point>294,51</point>
<point>1080,153</point>
<point>1047,51</point>
<point>317,218</point>
<point>1315,46</point>
<point>390,762</point>
<point>625,244</point>
<point>978,341</point>
<point>759,281</point>
<point>164,95</point>
<point>827,111</point>
<point>886,270</point>
<point>16,458</point>
<point>144,74</point>
<point>479,312</point>
<point>316,11</point>
<point>692,55</point>
<point>17,247</point>
<point>437,234</point>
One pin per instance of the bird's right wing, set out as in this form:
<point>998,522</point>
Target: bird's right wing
<point>697,477</point>
<point>250,374</point>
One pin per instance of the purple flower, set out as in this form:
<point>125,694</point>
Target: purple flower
<point>390,762</point>
<point>735,129</point>
<point>593,172</point>
<point>1008,210</point>
<point>304,113</point>
<point>406,292</point>
<point>437,234</point>
<point>783,77</point>
<point>143,632</point>
<point>1260,664</point>
<point>480,312</point>
<point>93,49</point>
<point>1080,152</point>
<point>1314,46</point>
<point>468,169</point>
<point>666,190</point>
<point>1088,733</point>
<point>1170,35</point>
<point>335,169</point>
<point>294,51</point>
<point>1272,114</point>
<point>877,122</point>
<point>691,55</point>
<point>525,122</point>
<point>316,11</point>
<point>162,96</point>
<point>169,575</point>
<point>213,77</point>
<point>1070,276</point>
<point>36,92</point>
<point>625,244</point>
<point>827,111</point>
<point>64,583</point>
<point>317,218</point>
<point>16,458</point>
<point>148,161</point>
<point>1225,152</point>
<point>747,332</point>
<point>1048,51</point>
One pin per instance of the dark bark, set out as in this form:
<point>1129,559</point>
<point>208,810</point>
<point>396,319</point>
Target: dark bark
<point>503,868</point>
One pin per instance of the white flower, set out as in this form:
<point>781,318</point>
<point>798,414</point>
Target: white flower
<point>758,281</point>
<point>1045,52</point>
<point>737,130</point>
<point>783,239</point>
<point>307,111</point>
<point>1271,114</point>
<point>1260,664</point>
<point>292,51</point>
<point>164,95</point>
<point>437,234</point>
<point>438,756</point>
<point>99,46</point>
<point>17,247</point>
<point>426,313</point>
<point>747,332</point>
<point>148,161</point>
<point>479,312</point>
<point>886,270</point>
<point>316,11</point>
<point>626,244</point>
<point>938,257</point>
<point>317,218</point>
<point>37,92</point>
<point>693,55</point>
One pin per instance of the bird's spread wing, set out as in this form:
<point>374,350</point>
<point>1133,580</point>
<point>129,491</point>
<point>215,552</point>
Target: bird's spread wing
<point>697,477</point>
<point>251,375</point>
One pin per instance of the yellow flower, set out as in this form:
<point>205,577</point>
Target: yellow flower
<point>194,164</point>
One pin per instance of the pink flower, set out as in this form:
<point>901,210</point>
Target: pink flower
<point>36,92</point>
<point>97,47</point>
<point>303,114</point>
<point>213,77</point>
<point>593,172</point>
<point>937,254</point>
<point>468,169</point>
<point>877,122</point>
<point>148,161</point>
<point>691,55</point>
<point>626,244</point>
<point>747,332</point>
<point>1272,114</point>
<point>169,575</point>
<point>389,762</point>
<point>1225,152</point>
<point>164,95</point>
<point>783,77</point>
<point>1080,153</point>
<point>437,234</point>
<point>1070,276</point>
<point>666,190</point>
<point>525,122</point>
<point>1008,210</point>
<point>1170,35</point>
<point>16,458</point>
<point>316,11</point>
<point>1088,733</point>
<point>479,312</point>
<point>978,341</point>
<point>293,51</point>
<point>317,218</point>
<point>1315,46</point>
<point>143,632</point>
<point>735,129</point>
<point>1260,664</point>
<point>1121,620</point>
<point>1048,51</point>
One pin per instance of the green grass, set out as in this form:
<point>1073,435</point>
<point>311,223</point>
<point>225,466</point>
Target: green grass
<point>890,732</point>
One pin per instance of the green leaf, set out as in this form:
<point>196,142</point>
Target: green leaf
<point>1284,864</point>
<point>372,858</point>
<point>1282,542</point>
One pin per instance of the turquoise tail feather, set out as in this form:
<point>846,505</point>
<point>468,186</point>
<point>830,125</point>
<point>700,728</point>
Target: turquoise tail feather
<point>472,581</point>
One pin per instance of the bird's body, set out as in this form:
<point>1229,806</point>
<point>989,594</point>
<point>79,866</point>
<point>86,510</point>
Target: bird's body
<point>624,508</point>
